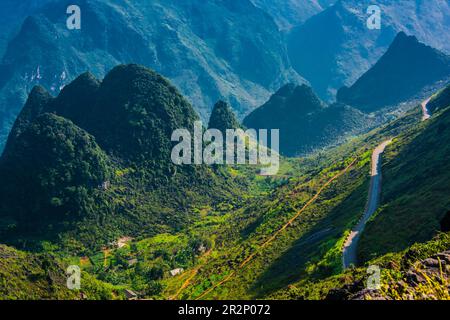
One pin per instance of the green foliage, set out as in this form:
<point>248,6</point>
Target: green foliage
<point>305,123</point>
<point>223,118</point>
<point>55,166</point>
<point>94,164</point>
<point>42,276</point>
<point>86,179</point>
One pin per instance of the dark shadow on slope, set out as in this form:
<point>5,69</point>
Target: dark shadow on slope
<point>312,247</point>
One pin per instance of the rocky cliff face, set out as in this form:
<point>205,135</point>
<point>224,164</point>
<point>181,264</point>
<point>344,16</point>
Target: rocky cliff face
<point>291,13</point>
<point>211,50</point>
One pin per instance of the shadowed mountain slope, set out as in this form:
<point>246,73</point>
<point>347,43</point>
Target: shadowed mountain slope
<point>403,71</point>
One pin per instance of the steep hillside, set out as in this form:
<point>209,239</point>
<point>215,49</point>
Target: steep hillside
<point>306,123</point>
<point>288,245</point>
<point>54,165</point>
<point>240,58</point>
<point>403,71</point>
<point>421,272</point>
<point>27,276</point>
<point>415,195</point>
<point>94,164</point>
<point>335,47</point>
<point>440,100</point>
<point>293,233</point>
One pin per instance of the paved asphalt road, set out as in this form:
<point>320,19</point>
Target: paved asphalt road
<point>351,244</point>
<point>349,256</point>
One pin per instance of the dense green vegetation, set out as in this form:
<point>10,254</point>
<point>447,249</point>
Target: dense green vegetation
<point>90,182</point>
<point>50,172</point>
<point>306,124</point>
<point>107,174</point>
<point>208,49</point>
<point>42,276</point>
<point>311,245</point>
<point>223,118</point>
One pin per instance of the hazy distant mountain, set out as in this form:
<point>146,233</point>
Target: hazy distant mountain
<point>211,50</point>
<point>305,122</point>
<point>12,15</point>
<point>291,13</point>
<point>335,47</point>
<point>404,70</point>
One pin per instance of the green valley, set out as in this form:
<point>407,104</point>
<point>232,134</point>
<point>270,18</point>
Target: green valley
<point>225,150</point>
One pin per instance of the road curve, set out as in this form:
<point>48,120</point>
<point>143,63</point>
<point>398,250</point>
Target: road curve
<point>426,113</point>
<point>351,244</point>
<point>349,256</point>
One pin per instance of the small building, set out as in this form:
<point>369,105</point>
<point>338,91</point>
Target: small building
<point>176,272</point>
<point>122,242</point>
<point>130,295</point>
<point>132,262</point>
<point>202,249</point>
<point>105,185</point>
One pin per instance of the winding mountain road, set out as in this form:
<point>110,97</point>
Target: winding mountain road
<point>349,256</point>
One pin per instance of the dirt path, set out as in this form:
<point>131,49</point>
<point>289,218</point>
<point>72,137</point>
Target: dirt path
<point>274,236</point>
<point>193,273</point>
<point>351,244</point>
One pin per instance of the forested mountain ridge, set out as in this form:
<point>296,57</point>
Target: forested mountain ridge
<point>101,151</point>
<point>87,175</point>
<point>306,123</point>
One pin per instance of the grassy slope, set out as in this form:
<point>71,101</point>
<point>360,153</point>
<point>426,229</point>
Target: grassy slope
<point>325,222</point>
<point>310,249</point>
<point>42,276</point>
<point>394,278</point>
<point>306,255</point>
